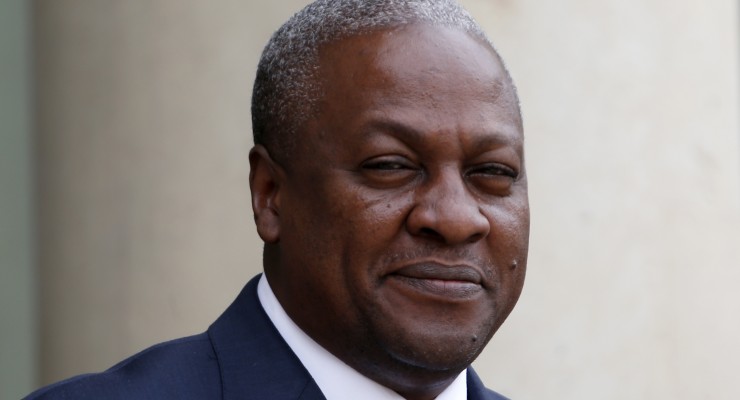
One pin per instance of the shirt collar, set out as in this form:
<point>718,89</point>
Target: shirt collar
<point>337,380</point>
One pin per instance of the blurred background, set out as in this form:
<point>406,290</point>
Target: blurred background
<point>125,216</point>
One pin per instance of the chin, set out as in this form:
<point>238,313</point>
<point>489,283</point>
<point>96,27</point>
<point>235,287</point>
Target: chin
<point>422,365</point>
<point>435,347</point>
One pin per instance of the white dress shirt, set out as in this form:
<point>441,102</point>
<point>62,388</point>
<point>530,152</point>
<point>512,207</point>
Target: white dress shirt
<point>337,380</point>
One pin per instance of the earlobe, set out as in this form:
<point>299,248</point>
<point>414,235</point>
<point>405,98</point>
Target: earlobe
<point>265,177</point>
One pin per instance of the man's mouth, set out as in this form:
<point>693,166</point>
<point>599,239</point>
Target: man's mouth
<point>456,281</point>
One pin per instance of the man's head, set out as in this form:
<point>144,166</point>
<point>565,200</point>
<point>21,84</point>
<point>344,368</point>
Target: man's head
<point>287,88</point>
<point>396,222</point>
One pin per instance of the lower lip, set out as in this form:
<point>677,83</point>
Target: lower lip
<point>439,287</point>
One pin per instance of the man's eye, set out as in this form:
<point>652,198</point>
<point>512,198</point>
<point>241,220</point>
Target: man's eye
<point>386,172</point>
<point>388,163</point>
<point>496,179</point>
<point>495,170</point>
<point>385,165</point>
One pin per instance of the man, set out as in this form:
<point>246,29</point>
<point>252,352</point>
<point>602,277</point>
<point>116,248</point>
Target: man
<point>389,187</point>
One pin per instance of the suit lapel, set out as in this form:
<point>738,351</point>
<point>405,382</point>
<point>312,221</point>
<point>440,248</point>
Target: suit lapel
<point>312,392</point>
<point>255,361</point>
<point>476,389</point>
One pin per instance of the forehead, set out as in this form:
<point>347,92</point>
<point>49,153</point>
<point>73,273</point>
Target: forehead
<point>417,76</point>
<point>419,54</point>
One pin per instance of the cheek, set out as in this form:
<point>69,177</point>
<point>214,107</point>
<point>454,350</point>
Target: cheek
<point>349,226</point>
<point>378,216</point>
<point>509,225</point>
<point>508,244</point>
<point>515,232</point>
<point>374,224</point>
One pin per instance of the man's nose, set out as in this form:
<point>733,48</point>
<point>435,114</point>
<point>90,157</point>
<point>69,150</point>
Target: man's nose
<point>446,211</point>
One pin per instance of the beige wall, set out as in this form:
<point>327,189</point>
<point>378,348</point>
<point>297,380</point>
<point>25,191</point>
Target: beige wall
<point>631,111</point>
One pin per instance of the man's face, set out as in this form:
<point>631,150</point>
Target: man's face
<point>403,217</point>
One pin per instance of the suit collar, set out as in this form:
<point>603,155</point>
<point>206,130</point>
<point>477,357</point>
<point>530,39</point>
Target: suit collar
<point>476,389</point>
<point>254,360</point>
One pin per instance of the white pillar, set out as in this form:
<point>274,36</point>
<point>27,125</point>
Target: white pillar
<point>144,129</point>
<point>17,291</point>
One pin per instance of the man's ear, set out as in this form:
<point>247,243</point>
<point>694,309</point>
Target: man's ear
<point>265,177</point>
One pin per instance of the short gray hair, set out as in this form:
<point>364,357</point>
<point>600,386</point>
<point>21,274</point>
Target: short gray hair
<point>286,88</point>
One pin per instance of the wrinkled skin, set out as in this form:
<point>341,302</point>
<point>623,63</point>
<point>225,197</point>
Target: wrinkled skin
<point>396,236</point>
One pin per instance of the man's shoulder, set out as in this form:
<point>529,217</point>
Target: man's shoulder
<point>240,356</point>
<point>184,368</point>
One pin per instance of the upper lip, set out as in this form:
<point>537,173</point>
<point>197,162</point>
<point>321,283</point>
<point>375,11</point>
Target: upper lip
<point>441,271</point>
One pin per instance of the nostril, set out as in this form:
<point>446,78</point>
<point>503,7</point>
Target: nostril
<point>476,237</point>
<point>429,232</point>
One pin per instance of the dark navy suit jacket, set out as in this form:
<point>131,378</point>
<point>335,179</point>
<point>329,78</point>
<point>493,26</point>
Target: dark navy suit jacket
<point>241,357</point>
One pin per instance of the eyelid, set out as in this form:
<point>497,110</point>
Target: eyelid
<point>499,168</point>
<point>391,162</point>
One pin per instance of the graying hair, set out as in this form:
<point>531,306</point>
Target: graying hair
<point>286,88</point>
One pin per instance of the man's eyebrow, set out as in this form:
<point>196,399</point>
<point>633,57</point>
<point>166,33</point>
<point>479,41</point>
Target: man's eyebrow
<point>407,133</point>
<point>404,132</point>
